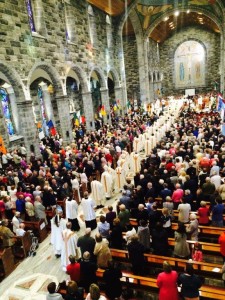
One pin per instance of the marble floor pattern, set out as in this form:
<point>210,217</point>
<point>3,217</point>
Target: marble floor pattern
<point>45,261</point>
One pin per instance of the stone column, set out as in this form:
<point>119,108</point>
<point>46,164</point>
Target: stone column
<point>105,102</point>
<point>28,128</point>
<point>64,118</point>
<point>88,111</point>
<point>143,69</point>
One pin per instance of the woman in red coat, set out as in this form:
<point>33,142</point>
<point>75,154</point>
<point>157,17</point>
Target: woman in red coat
<point>167,283</point>
<point>203,213</point>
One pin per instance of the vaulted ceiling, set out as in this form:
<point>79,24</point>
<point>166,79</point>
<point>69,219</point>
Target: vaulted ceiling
<point>188,13</point>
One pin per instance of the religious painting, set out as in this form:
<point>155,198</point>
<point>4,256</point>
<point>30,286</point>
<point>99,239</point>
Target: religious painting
<point>189,65</point>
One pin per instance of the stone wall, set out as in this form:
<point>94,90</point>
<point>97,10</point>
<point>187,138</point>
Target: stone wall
<point>211,42</point>
<point>131,66</point>
<point>62,42</point>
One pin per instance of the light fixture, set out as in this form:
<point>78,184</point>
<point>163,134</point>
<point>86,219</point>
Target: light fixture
<point>166,19</point>
<point>188,11</point>
<point>176,14</point>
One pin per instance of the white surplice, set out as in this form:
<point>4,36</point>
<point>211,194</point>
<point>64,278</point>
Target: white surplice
<point>56,233</point>
<point>69,247</point>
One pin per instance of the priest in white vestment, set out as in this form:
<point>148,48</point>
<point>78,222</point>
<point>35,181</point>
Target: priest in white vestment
<point>120,178</point>
<point>148,147</point>
<point>72,213</point>
<point>88,204</point>
<point>107,182</point>
<point>58,224</point>
<point>136,145</point>
<point>97,193</point>
<point>76,188</point>
<point>69,245</point>
<point>135,163</point>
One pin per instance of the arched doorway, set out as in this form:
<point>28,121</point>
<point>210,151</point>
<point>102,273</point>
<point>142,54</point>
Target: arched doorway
<point>95,85</point>
<point>43,103</point>
<point>74,93</point>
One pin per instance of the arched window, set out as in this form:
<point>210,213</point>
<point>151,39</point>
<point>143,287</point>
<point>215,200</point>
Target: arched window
<point>189,61</point>
<point>7,111</point>
<point>30,15</point>
<point>36,18</point>
<point>43,112</point>
<point>109,32</point>
<point>92,25</point>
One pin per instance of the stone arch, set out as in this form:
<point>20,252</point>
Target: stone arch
<point>125,16</point>
<point>57,82</point>
<point>101,76</point>
<point>172,11</point>
<point>15,81</point>
<point>115,76</point>
<point>80,74</point>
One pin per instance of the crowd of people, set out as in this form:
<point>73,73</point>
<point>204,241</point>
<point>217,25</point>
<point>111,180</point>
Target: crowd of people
<point>176,154</point>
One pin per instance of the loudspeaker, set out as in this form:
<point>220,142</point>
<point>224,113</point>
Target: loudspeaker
<point>67,133</point>
<point>32,148</point>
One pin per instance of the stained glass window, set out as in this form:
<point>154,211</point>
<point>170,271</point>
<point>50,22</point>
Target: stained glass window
<point>6,111</point>
<point>43,113</point>
<point>30,15</point>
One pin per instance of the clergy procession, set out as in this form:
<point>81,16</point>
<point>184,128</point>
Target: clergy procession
<point>94,186</point>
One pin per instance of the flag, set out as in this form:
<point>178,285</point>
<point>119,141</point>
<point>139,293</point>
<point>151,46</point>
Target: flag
<point>39,125</point>
<point>220,103</point>
<point>2,146</point>
<point>77,122</point>
<point>115,107</point>
<point>53,131</point>
<point>103,112</point>
<point>50,124</point>
<point>128,104</point>
<point>83,119</point>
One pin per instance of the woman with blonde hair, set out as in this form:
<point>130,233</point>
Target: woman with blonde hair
<point>94,293</point>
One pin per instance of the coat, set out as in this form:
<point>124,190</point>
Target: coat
<point>181,247</point>
<point>167,283</point>
<point>103,253</point>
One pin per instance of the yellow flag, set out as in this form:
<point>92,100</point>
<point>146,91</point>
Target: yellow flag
<point>77,122</point>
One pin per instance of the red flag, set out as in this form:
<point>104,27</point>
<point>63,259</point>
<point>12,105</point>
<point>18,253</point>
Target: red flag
<point>53,131</point>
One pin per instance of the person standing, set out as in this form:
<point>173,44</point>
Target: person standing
<point>192,228</point>
<point>181,248</point>
<point>107,182</point>
<point>76,188</point>
<point>102,251</point>
<point>73,269</point>
<point>184,211</point>
<point>58,224</point>
<point>71,212</point>
<point>88,205</point>
<point>167,283</point>
<point>217,213</point>
<point>86,243</point>
<point>39,209</point>
<point>190,284</point>
<point>111,276</point>
<point>69,246</point>
<point>136,255</point>
<point>88,270</point>
<point>97,192</point>
<point>222,245</point>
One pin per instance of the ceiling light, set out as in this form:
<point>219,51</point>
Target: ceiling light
<point>176,14</point>
<point>188,11</point>
<point>200,13</point>
<point>166,19</point>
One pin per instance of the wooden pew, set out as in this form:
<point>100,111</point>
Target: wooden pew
<point>24,241</point>
<point>177,263</point>
<point>38,228</point>
<point>206,247</point>
<point>149,283</point>
<point>209,230</point>
<point>7,261</point>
